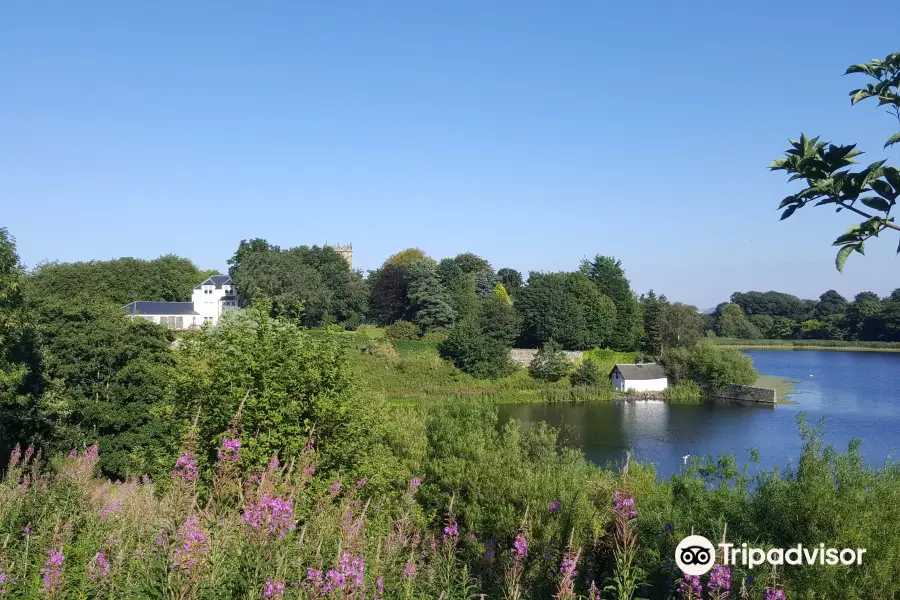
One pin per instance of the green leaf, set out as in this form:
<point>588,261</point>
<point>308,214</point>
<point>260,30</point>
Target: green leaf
<point>787,200</point>
<point>788,212</point>
<point>859,95</point>
<point>876,203</point>
<point>894,139</point>
<point>842,255</point>
<point>883,189</point>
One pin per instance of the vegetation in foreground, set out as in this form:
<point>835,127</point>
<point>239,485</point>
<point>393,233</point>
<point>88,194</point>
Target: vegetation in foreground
<point>499,512</point>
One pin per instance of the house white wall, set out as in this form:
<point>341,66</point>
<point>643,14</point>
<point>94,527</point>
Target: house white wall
<point>187,321</point>
<point>620,384</point>
<point>208,301</point>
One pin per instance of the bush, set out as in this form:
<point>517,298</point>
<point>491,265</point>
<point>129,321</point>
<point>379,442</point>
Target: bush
<point>587,374</point>
<point>550,363</point>
<point>402,330</point>
<point>709,366</point>
<point>380,348</point>
<point>686,392</point>
<point>474,351</point>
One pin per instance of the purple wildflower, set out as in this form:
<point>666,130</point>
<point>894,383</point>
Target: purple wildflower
<point>4,581</point>
<point>690,587</point>
<point>414,484</point>
<point>311,443</point>
<point>14,457</point>
<point>310,470</point>
<point>274,464</point>
<point>52,572</point>
<point>669,527</point>
<point>26,531</point>
<point>567,569</point>
<point>185,468</point>
<point>336,487</point>
<point>193,545</point>
<point>623,507</point>
<point>230,451</point>
<point>347,578</point>
<point>451,530</point>
<point>272,515</point>
<point>361,482</point>
<point>470,537</point>
<point>554,506</point>
<point>273,589</point>
<point>110,508</point>
<point>520,547</point>
<point>409,570</point>
<point>99,569</point>
<point>774,594</point>
<point>720,579</point>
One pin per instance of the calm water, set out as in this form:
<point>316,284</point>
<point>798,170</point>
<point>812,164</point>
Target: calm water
<point>857,393</point>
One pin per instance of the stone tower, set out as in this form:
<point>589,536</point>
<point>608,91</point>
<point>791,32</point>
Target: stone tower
<point>345,251</point>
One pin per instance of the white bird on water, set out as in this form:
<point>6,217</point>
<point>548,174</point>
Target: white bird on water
<point>685,457</point>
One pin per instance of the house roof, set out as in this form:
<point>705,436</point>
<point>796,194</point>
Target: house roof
<point>216,280</point>
<point>641,371</point>
<point>160,308</point>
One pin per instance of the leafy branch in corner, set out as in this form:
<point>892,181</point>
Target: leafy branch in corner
<point>826,168</point>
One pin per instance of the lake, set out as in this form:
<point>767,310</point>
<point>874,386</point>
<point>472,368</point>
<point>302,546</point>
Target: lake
<point>857,393</point>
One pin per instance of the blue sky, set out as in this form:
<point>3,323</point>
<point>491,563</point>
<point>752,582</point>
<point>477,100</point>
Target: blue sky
<point>533,133</point>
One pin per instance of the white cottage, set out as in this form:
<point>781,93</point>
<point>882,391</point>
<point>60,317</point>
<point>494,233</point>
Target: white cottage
<point>208,301</point>
<point>646,377</point>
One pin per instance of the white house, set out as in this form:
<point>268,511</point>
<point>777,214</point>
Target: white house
<point>208,301</point>
<point>646,377</point>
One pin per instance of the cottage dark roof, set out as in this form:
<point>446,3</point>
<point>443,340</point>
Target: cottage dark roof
<point>641,371</point>
<point>216,280</point>
<point>160,308</point>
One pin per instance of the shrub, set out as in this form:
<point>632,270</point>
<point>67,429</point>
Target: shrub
<point>550,363</point>
<point>402,330</point>
<point>709,365</point>
<point>381,348</point>
<point>435,336</point>
<point>474,351</point>
<point>587,374</point>
<point>686,392</point>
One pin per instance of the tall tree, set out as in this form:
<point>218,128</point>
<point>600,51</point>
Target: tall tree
<point>732,322</point>
<point>389,285</point>
<point>511,280</point>
<point>825,167</point>
<point>652,310</point>
<point>567,308</point>
<point>681,325</point>
<point>428,298</point>
<point>20,362</point>
<point>831,304</point>
<point>608,275</point>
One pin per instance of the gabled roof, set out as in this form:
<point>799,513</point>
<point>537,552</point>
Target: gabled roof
<point>160,308</point>
<point>216,280</point>
<point>641,371</point>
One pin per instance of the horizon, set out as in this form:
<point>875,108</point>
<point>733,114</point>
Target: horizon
<point>532,136</point>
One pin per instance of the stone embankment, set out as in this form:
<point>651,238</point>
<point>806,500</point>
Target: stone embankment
<point>524,356</point>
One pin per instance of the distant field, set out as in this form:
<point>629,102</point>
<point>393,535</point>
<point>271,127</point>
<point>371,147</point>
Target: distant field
<point>807,345</point>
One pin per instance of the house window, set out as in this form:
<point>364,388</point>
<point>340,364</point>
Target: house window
<point>179,323</point>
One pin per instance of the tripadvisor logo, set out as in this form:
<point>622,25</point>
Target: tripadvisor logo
<point>695,555</point>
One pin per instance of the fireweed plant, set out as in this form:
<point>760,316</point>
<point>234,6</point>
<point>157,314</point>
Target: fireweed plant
<point>284,529</point>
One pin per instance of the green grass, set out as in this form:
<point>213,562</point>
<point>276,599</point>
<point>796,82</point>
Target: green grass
<point>782,386</point>
<point>808,345</point>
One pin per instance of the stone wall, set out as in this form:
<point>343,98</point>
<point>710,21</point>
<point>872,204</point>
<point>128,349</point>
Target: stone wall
<point>524,356</point>
<point>747,393</point>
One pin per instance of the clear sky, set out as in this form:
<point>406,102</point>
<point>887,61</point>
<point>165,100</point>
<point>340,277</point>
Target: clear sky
<point>531,133</point>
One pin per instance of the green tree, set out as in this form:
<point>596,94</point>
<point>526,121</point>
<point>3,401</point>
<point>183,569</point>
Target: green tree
<point>763,324</point>
<point>709,365</point>
<point>550,363</point>
<point>499,320</point>
<point>830,304</point>
<point>608,275</point>
<point>681,325</point>
<point>292,385</point>
<point>652,312</point>
<point>389,285</point>
<point>782,328</point>
<point>474,350</point>
<point>21,380</point>
<point>429,299</point>
<point>588,374</point>
<point>501,295</point>
<point>732,322</point>
<point>824,167</point>
<point>311,283</point>
<point>567,308</point>
<point>863,316</point>
<point>511,280</point>
<point>111,374</point>
<point>168,278</point>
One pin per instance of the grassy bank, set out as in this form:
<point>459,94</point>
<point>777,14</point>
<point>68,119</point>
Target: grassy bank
<point>782,386</point>
<point>808,345</point>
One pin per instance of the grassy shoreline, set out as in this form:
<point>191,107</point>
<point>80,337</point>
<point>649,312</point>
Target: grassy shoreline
<point>832,345</point>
